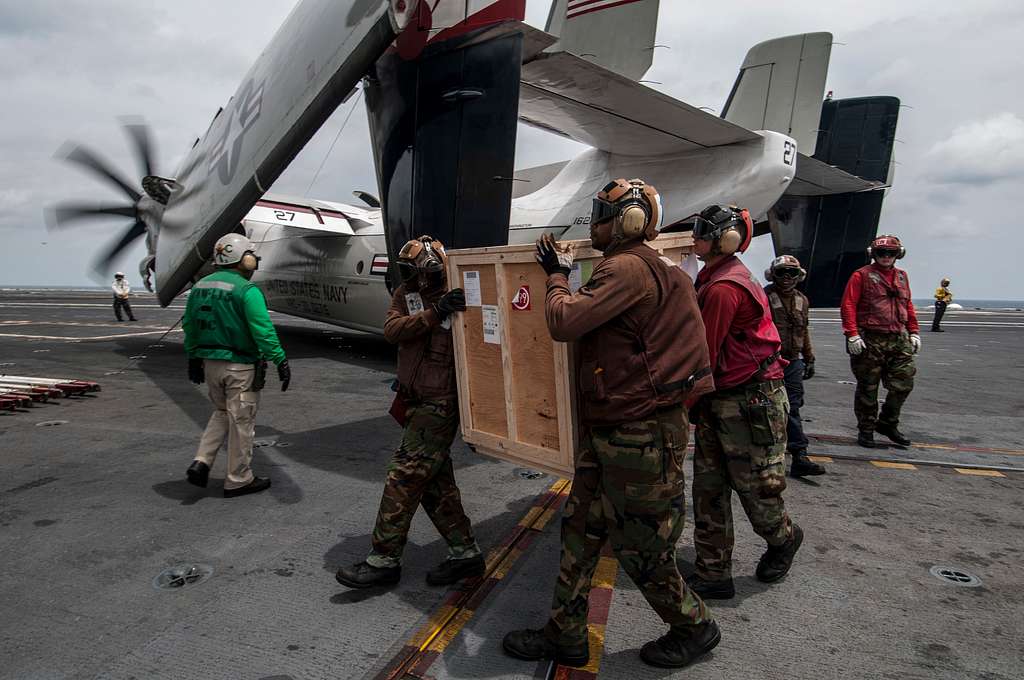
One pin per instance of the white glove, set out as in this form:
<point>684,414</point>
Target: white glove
<point>915,342</point>
<point>855,345</point>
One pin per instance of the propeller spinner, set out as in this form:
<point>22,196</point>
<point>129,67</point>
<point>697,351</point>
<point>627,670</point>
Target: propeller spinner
<point>143,208</point>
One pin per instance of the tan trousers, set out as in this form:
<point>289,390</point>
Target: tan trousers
<point>234,416</point>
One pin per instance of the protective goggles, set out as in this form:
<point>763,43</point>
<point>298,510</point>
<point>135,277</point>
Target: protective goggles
<point>710,229</point>
<point>885,252</point>
<point>787,273</point>
<point>602,211</point>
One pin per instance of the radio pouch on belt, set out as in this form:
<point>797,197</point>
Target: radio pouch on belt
<point>758,412</point>
<point>259,380</point>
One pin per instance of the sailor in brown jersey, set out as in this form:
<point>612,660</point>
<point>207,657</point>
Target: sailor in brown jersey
<point>642,354</point>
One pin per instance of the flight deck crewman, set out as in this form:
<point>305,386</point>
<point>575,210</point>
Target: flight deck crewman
<point>942,299</point>
<point>741,427</point>
<point>121,292</point>
<point>790,311</point>
<point>420,472</point>
<point>882,337</point>
<point>641,355</point>
<point>228,338</point>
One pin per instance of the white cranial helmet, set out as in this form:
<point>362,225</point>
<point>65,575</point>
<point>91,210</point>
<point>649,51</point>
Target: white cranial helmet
<point>230,248</point>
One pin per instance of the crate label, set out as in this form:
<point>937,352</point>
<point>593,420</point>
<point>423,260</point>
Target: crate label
<point>471,284</point>
<point>492,330</point>
<point>521,302</point>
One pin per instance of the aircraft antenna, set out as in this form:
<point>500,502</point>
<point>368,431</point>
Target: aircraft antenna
<point>336,138</point>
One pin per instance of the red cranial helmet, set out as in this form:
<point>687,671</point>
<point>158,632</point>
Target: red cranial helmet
<point>887,242</point>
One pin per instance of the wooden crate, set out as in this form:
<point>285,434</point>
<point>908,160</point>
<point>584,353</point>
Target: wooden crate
<point>516,384</point>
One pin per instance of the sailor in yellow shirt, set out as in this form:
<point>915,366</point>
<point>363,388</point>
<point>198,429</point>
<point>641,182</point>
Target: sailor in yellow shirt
<point>942,299</point>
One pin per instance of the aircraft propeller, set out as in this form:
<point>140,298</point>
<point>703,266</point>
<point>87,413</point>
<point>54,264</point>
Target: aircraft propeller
<point>139,206</point>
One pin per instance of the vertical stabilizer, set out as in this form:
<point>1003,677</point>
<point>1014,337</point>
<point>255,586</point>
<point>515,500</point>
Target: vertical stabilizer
<point>617,34</point>
<point>780,87</point>
<point>829,234</point>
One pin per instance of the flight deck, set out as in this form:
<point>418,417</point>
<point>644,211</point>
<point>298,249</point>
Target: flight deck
<point>115,567</point>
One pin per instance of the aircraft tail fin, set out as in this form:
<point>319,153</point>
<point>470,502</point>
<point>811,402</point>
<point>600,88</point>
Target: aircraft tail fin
<point>780,87</point>
<point>616,34</point>
<point>829,231</point>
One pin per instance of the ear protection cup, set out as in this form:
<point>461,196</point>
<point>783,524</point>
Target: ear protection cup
<point>730,241</point>
<point>632,221</point>
<point>249,262</point>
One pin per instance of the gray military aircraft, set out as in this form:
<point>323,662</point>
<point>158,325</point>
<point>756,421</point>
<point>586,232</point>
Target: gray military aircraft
<point>329,261</point>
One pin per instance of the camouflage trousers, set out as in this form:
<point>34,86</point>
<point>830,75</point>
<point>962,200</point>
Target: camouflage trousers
<point>628,488</point>
<point>741,447</point>
<point>889,359</point>
<point>420,473</point>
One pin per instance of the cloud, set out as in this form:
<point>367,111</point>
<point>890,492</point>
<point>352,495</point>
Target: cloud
<point>980,153</point>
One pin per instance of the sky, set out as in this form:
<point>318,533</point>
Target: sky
<point>70,69</point>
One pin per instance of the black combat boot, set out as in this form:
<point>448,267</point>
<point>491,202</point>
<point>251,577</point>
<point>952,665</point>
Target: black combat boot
<point>364,575</point>
<point>255,486</point>
<point>198,473</point>
<point>712,590</point>
<point>804,467</point>
<point>866,438</point>
<point>533,645</point>
<point>892,433</point>
<point>452,571</point>
<point>776,561</point>
<point>673,650</point>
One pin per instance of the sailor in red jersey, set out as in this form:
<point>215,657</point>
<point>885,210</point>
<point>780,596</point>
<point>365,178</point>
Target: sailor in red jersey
<point>741,427</point>
<point>882,337</point>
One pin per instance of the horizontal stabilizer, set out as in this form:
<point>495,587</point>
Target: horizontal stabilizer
<point>575,98</point>
<point>815,178</point>
<point>312,215</point>
<point>529,180</point>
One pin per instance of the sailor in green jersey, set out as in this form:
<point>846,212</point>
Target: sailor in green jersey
<point>229,338</point>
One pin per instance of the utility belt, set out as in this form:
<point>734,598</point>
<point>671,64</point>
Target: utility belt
<point>750,387</point>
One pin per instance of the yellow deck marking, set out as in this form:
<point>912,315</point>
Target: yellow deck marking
<point>820,459</point>
<point>980,473</point>
<point>605,573</point>
<point>445,624</point>
<point>893,466</point>
<point>449,632</point>
<point>596,639</point>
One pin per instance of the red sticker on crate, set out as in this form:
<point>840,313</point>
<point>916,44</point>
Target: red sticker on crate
<point>521,301</point>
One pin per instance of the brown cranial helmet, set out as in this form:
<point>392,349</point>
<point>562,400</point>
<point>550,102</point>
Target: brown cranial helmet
<point>785,265</point>
<point>634,205</point>
<point>422,255</point>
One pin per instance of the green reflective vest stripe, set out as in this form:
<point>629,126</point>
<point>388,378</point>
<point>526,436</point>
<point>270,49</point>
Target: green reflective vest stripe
<point>226,319</point>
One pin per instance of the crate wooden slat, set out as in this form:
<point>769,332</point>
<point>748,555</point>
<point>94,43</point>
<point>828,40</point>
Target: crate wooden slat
<point>517,395</point>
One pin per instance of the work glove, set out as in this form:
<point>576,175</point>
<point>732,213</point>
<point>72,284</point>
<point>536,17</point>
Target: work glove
<point>552,258</point>
<point>451,302</point>
<point>196,372</point>
<point>284,374</point>
<point>915,342</point>
<point>808,369</point>
<point>855,345</point>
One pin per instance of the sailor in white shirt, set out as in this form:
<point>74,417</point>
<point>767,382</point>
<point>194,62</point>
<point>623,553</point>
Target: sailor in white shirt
<point>121,290</point>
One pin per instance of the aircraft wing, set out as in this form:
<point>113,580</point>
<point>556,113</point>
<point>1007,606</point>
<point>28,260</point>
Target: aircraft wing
<point>310,66</point>
<point>816,178</point>
<point>570,96</point>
